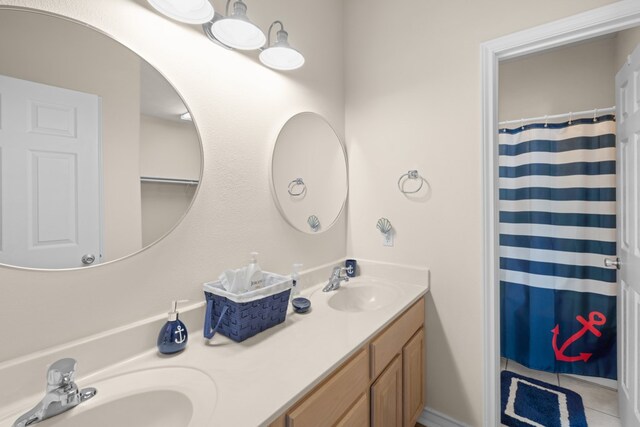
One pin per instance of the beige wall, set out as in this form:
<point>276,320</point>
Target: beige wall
<point>35,48</point>
<point>413,102</point>
<point>574,78</point>
<point>239,107</point>
<point>168,149</point>
<point>626,42</point>
<point>163,205</point>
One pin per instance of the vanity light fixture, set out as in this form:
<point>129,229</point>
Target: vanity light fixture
<point>236,30</point>
<point>280,55</point>
<point>187,11</point>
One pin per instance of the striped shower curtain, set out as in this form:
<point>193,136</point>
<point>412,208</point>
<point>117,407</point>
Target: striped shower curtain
<point>557,224</point>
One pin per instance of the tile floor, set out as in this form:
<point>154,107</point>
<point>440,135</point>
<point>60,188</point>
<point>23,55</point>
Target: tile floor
<point>600,403</point>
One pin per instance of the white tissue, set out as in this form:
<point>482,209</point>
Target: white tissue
<point>235,281</point>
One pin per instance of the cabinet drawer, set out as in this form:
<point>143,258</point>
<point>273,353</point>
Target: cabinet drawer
<point>325,405</point>
<point>358,416</point>
<point>390,342</point>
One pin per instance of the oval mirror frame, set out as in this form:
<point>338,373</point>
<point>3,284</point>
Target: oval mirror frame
<point>295,192</point>
<point>196,130</point>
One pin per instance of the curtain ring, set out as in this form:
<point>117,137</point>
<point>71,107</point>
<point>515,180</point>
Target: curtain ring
<point>298,182</point>
<point>522,124</point>
<point>413,174</point>
<point>570,118</point>
<point>546,121</point>
<point>595,115</point>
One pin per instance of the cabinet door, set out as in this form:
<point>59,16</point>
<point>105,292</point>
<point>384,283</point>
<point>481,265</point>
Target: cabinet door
<point>358,416</point>
<point>413,378</point>
<point>386,397</point>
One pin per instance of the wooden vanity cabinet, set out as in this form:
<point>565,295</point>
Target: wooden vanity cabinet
<point>382,385</point>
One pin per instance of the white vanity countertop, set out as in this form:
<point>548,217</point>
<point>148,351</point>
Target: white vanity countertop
<point>259,378</point>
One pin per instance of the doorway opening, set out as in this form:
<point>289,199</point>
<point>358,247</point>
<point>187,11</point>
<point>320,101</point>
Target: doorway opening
<point>596,27</point>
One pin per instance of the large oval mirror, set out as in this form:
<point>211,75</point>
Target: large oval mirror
<point>309,173</point>
<point>95,160</point>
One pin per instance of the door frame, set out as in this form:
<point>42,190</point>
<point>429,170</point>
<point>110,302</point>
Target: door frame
<point>608,19</point>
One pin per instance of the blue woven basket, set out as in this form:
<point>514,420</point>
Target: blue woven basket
<point>242,319</point>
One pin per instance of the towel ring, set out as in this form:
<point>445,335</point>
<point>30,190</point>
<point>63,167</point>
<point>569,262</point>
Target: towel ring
<point>298,182</point>
<point>410,176</point>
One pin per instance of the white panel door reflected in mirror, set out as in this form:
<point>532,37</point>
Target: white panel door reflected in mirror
<point>95,162</point>
<point>309,173</point>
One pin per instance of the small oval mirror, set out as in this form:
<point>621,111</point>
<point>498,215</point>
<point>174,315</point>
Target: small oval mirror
<point>309,173</point>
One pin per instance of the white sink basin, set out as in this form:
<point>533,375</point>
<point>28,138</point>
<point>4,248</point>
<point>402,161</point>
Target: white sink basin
<point>362,296</point>
<point>162,397</point>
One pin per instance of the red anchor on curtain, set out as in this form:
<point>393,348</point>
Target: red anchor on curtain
<point>595,319</point>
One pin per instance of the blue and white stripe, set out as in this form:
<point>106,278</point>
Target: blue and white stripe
<point>558,205</point>
<point>557,202</point>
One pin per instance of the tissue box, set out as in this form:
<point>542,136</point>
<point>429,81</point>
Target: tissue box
<point>242,316</point>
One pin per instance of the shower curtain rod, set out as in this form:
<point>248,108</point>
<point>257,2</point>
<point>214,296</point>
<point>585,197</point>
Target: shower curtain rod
<point>573,115</point>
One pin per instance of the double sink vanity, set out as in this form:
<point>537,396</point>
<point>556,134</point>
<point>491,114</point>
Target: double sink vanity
<point>355,359</point>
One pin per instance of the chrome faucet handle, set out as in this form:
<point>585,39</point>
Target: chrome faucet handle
<point>337,271</point>
<point>61,373</point>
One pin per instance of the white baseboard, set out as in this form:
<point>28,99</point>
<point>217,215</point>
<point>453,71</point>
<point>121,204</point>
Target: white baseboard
<point>433,418</point>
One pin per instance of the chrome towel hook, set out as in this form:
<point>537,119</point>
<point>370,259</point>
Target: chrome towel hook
<point>297,187</point>
<point>411,175</point>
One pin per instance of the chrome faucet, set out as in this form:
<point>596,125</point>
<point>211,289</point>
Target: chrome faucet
<point>336,278</point>
<point>62,394</point>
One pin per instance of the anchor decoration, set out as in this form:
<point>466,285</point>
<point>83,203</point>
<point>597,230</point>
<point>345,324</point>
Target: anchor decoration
<point>595,319</point>
<point>181,337</point>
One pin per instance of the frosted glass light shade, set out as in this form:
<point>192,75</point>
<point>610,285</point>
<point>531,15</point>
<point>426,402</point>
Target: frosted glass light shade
<point>187,11</point>
<point>280,55</point>
<point>238,33</point>
<point>282,58</point>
